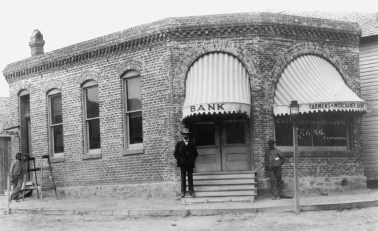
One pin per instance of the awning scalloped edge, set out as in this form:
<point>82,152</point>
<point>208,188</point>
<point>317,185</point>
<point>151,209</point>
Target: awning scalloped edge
<point>325,110</point>
<point>217,113</point>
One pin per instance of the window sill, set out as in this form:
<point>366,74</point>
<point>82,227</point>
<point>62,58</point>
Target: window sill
<point>133,152</point>
<point>57,159</point>
<point>92,156</point>
<point>320,153</point>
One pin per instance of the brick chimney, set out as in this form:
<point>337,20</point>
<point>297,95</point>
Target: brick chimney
<point>36,43</point>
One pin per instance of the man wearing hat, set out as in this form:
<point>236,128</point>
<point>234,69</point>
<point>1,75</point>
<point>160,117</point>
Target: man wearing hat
<point>185,154</point>
<point>273,162</point>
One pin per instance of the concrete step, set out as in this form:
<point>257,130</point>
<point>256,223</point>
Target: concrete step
<point>224,182</point>
<point>210,188</point>
<point>224,173</point>
<point>223,187</point>
<point>195,200</point>
<point>221,176</point>
<point>225,193</point>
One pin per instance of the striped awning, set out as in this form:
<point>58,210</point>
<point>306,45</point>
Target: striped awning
<point>317,86</point>
<point>217,83</point>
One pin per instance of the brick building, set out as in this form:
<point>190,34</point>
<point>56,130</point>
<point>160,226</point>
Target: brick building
<point>5,140</point>
<point>109,110</point>
<point>368,47</point>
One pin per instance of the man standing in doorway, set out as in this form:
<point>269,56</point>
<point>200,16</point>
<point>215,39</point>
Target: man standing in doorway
<point>185,154</point>
<point>273,162</point>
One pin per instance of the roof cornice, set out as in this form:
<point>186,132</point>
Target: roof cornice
<point>183,27</point>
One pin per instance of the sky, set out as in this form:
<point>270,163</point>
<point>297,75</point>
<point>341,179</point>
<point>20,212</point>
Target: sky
<point>64,23</point>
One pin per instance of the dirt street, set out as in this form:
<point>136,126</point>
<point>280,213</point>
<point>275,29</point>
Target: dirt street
<point>356,219</point>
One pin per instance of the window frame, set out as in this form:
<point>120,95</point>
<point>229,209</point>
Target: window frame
<point>50,94</point>
<point>130,149</point>
<point>23,128</point>
<point>348,147</point>
<point>89,153</point>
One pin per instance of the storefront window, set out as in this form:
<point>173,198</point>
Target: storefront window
<point>322,130</point>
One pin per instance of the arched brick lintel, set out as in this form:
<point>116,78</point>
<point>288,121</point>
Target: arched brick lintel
<point>131,64</point>
<point>52,85</point>
<point>23,85</point>
<point>90,74</point>
<point>306,49</point>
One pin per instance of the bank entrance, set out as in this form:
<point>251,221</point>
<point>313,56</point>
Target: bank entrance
<point>223,143</point>
<point>217,111</point>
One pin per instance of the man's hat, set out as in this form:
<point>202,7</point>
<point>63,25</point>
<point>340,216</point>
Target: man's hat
<point>185,131</point>
<point>271,142</point>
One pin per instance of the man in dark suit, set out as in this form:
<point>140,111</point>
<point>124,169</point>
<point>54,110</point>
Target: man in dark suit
<point>185,154</point>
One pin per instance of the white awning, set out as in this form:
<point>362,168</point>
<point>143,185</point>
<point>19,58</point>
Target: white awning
<point>317,86</point>
<point>217,83</point>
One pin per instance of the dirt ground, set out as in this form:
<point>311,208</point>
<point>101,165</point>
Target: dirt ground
<point>344,220</point>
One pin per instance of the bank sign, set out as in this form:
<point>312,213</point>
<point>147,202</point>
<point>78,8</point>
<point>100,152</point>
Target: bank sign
<point>215,108</point>
<point>341,105</point>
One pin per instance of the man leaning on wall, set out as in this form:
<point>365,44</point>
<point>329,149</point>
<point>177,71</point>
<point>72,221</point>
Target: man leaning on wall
<point>273,162</point>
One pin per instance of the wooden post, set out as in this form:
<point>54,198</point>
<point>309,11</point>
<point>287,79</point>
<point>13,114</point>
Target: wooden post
<point>296,180</point>
<point>8,192</point>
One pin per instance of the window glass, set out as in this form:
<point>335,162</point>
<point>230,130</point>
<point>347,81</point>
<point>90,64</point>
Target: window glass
<point>25,105</point>
<point>56,121</point>
<point>133,109</point>
<point>320,130</point>
<point>94,133</point>
<point>56,109</point>
<point>92,102</point>
<point>133,94</point>
<point>92,120</point>
<point>135,128</point>
<point>58,138</point>
<point>329,132</point>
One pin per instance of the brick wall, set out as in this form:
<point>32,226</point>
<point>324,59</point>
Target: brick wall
<point>4,114</point>
<point>163,52</point>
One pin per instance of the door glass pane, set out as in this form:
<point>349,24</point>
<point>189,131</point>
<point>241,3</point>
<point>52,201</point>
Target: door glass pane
<point>135,127</point>
<point>235,132</point>
<point>94,133</point>
<point>56,109</point>
<point>133,94</point>
<point>58,138</point>
<point>204,133</point>
<point>92,102</point>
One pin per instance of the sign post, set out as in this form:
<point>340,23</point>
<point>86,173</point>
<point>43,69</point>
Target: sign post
<point>294,111</point>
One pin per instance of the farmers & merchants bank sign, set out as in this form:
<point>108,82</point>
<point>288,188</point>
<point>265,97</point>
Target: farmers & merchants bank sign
<point>342,105</point>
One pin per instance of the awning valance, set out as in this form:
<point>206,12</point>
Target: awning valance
<point>217,83</point>
<point>317,86</point>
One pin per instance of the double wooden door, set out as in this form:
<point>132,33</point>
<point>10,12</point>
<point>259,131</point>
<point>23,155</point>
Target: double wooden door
<point>223,145</point>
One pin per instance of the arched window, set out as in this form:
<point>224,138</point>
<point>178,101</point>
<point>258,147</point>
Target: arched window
<point>55,123</point>
<point>132,98</point>
<point>92,141</point>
